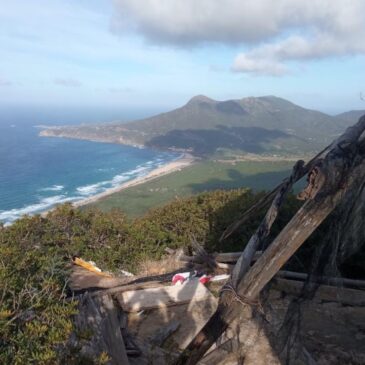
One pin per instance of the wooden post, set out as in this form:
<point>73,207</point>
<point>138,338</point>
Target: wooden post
<point>342,169</point>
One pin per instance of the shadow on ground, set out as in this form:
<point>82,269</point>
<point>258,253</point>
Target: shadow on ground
<point>207,141</point>
<point>257,182</point>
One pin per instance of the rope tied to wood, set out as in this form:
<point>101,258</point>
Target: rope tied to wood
<point>228,287</point>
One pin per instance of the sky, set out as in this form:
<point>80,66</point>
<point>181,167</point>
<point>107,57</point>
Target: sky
<point>159,53</point>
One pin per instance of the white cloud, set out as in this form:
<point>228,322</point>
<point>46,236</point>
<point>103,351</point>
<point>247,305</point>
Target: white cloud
<point>67,82</point>
<point>244,63</point>
<point>270,58</point>
<point>190,21</point>
<point>275,31</point>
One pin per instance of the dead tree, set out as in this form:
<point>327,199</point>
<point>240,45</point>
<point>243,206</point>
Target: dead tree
<point>334,176</point>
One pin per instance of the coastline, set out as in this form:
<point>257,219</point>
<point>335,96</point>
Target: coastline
<point>184,161</point>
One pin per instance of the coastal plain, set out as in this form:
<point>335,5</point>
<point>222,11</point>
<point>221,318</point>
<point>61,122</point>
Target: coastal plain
<point>197,177</point>
<point>251,142</point>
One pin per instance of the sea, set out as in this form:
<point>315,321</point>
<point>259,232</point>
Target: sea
<point>37,173</point>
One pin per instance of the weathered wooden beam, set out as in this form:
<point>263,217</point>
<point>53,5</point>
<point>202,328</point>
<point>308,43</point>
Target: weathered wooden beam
<point>342,169</point>
<point>323,279</point>
<point>244,262</point>
<point>135,301</point>
<point>222,354</point>
<point>326,293</point>
<point>234,256</point>
<point>81,279</point>
<point>164,332</point>
<point>101,317</point>
<point>111,331</point>
<point>225,257</point>
<point>267,199</point>
<point>307,219</point>
<point>129,287</point>
<point>328,280</point>
<point>256,278</point>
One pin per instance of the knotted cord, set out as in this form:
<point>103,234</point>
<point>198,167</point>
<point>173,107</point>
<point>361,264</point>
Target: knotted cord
<point>241,298</point>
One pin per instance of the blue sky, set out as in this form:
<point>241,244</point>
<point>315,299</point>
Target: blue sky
<point>158,53</point>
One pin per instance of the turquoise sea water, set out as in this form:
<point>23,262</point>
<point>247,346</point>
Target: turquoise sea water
<point>37,173</point>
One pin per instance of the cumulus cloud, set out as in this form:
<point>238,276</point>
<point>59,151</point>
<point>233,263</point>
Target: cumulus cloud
<point>258,66</point>
<point>274,32</point>
<point>271,58</point>
<point>67,82</point>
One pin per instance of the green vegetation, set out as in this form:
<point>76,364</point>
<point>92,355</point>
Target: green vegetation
<point>258,125</point>
<point>202,176</point>
<point>36,308</point>
<point>351,116</point>
<point>35,313</point>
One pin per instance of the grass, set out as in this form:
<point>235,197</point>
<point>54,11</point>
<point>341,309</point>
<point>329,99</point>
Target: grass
<point>202,176</point>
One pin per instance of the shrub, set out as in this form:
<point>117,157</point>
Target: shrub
<point>35,311</point>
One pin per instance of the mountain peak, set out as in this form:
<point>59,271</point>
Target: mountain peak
<point>266,124</point>
<point>268,101</point>
<point>200,99</point>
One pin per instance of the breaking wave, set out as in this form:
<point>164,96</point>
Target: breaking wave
<point>92,189</point>
<point>80,192</point>
<point>9,216</point>
<point>53,188</point>
<point>117,180</point>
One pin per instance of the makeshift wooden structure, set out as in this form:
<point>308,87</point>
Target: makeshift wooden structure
<point>137,300</point>
<point>235,328</point>
<point>333,175</point>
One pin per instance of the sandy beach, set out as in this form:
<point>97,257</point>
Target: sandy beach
<point>185,161</point>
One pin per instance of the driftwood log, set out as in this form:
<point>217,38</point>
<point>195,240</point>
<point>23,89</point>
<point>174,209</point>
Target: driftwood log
<point>333,175</point>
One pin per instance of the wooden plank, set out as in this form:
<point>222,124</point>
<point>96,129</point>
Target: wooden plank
<point>324,292</point>
<point>323,279</point>
<point>81,279</point>
<point>135,301</point>
<point>192,317</point>
<point>234,256</point>
<point>152,355</point>
<point>164,332</point>
<point>327,280</point>
<point>100,317</point>
<point>111,331</point>
<point>221,354</point>
<point>225,257</point>
<point>263,230</point>
<point>301,226</point>
<point>128,287</point>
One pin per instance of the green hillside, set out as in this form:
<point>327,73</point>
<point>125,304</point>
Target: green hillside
<point>258,125</point>
<point>351,116</point>
<point>36,308</point>
<point>200,177</point>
